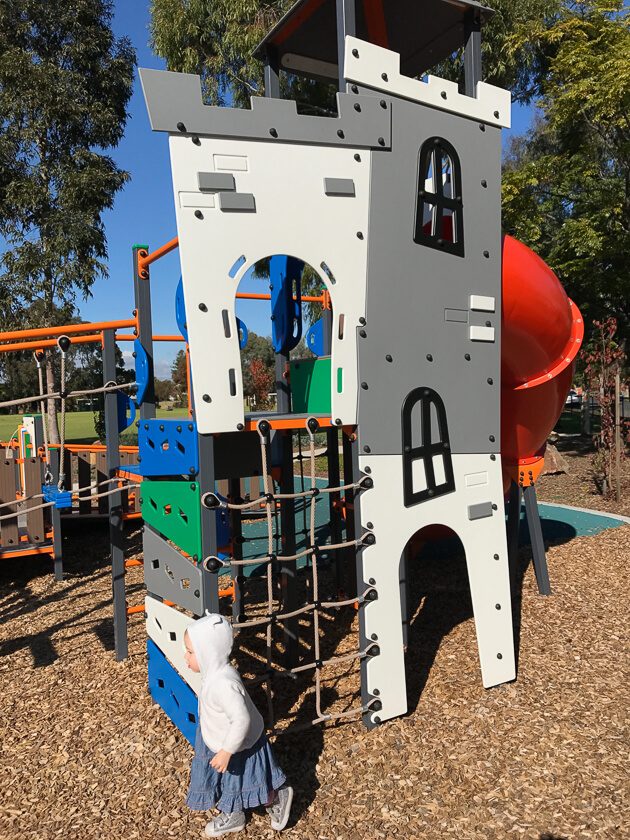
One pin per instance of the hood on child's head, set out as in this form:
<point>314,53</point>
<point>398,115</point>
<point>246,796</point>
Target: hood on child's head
<point>211,639</point>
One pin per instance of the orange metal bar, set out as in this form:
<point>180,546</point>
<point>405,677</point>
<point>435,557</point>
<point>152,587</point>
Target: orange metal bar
<point>286,422</point>
<point>45,332</point>
<point>43,549</point>
<point>255,296</point>
<point>92,447</point>
<point>133,515</point>
<point>131,563</point>
<point>145,259</point>
<point>41,344</point>
<point>134,610</point>
<point>128,337</point>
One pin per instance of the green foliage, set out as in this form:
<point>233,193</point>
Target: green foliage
<point>179,377</point>
<point>566,184</point>
<point>64,87</point>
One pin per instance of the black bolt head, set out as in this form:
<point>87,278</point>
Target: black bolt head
<point>364,385</point>
<point>389,358</point>
<point>496,114</point>
<point>369,524</point>
<point>240,427</point>
<point>357,107</point>
<point>467,356</point>
<point>355,53</point>
<point>357,157</point>
<point>367,449</point>
<point>203,307</point>
<point>486,254</point>
<point>490,380</point>
<point>499,656</point>
<point>497,606</point>
<point>338,421</point>
<point>482,127</point>
<point>207,398</point>
<point>340,133</point>
<point>362,321</point>
<point>383,104</point>
<point>491,438</point>
<point>484,183</point>
<point>384,77</point>
<point>273,132</point>
<point>376,705</point>
<point>369,539</point>
<point>196,140</point>
<point>363,333</point>
<point>359,234</point>
<point>429,357</point>
<point>198,214</point>
<point>354,89</point>
<point>381,141</point>
<point>443,94</point>
<point>181,126</point>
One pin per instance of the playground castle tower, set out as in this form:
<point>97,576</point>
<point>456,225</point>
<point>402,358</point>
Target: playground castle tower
<point>395,203</point>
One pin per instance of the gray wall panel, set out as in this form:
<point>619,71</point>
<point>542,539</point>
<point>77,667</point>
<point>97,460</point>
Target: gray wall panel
<point>409,287</point>
<point>174,104</point>
<point>169,574</point>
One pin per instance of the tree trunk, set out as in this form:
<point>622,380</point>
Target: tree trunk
<point>53,426</point>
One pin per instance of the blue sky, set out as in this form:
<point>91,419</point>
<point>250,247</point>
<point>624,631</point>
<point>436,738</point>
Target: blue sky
<point>144,211</point>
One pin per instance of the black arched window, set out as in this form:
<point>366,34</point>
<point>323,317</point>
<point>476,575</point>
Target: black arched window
<point>427,464</point>
<point>439,219</point>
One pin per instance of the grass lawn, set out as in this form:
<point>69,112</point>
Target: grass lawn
<point>80,426</point>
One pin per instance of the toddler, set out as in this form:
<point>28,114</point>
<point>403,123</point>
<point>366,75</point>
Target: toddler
<point>233,767</point>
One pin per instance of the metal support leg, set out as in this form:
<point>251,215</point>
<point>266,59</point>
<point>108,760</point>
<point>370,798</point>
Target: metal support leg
<point>55,516</point>
<point>538,546</point>
<point>115,500</point>
<point>288,570</point>
<point>210,580</point>
<point>346,25</point>
<point>236,528</point>
<point>142,292</point>
<point>513,526</point>
<point>334,502</point>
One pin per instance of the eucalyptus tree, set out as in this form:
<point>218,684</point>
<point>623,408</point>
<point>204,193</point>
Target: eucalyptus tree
<point>65,83</point>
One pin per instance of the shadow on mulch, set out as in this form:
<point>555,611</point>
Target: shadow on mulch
<point>439,600</point>
<point>80,566</point>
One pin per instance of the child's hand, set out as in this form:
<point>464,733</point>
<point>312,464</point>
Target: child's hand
<point>220,761</point>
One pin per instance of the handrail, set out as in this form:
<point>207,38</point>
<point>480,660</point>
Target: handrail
<point>67,329</point>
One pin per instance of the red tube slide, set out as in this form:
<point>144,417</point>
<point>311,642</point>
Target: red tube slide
<point>542,333</point>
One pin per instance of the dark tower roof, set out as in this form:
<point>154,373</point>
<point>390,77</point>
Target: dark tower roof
<point>423,32</point>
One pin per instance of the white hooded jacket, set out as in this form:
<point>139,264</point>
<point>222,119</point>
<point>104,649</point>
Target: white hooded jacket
<point>228,718</point>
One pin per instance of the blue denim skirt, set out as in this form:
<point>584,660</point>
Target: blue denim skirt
<point>250,777</point>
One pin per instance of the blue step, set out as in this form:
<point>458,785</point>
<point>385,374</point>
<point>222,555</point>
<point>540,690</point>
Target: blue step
<point>172,693</point>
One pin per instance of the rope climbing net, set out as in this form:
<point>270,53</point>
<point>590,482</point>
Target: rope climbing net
<point>274,612</point>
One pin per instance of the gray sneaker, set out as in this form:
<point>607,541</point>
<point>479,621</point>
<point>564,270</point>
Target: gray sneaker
<point>281,808</point>
<point>225,824</point>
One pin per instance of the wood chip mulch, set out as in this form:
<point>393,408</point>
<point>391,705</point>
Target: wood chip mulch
<point>86,754</point>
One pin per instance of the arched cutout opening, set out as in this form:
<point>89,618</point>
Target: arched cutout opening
<point>435,599</point>
<point>286,326</point>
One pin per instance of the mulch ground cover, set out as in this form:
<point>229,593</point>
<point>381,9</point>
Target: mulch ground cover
<point>86,753</point>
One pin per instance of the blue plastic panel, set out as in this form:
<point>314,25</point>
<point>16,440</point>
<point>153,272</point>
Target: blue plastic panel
<point>285,280</point>
<point>315,338</point>
<point>125,403</point>
<point>143,371</point>
<point>180,310</point>
<point>168,447</point>
<point>171,693</point>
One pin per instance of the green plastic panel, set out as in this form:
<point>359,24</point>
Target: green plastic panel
<point>173,509</point>
<point>310,386</point>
